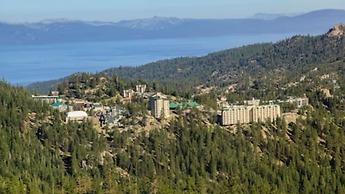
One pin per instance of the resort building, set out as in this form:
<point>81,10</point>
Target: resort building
<point>299,102</point>
<point>76,116</point>
<point>265,112</point>
<point>62,107</point>
<point>128,93</point>
<point>159,106</point>
<point>140,89</point>
<point>251,112</point>
<point>236,114</point>
<point>48,99</point>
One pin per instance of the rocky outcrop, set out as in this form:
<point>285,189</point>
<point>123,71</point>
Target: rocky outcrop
<point>337,30</point>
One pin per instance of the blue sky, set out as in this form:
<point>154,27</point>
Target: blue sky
<point>115,10</point>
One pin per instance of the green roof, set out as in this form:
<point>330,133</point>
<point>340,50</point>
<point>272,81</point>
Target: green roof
<point>192,104</point>
<point>182,104</point>
<point>57,104</point>
<point>174,105</point>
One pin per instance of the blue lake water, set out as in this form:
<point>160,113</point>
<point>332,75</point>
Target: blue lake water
<point>24,64</point>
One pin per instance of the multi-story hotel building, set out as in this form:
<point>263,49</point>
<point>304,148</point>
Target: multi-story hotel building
<point>265,112</point>
<point>235,114</point>
<point>159,106</point>
<point>232,115</point>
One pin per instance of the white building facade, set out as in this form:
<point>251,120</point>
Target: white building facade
<point>159,106</point>
<point>127,93</point>
<point>140,89</point>
<point>76,116</point>
<point>232,115</point>
<point>299,102</point>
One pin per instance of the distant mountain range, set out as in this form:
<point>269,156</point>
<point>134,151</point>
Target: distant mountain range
<point>53,31</point>
<point>265,16</point>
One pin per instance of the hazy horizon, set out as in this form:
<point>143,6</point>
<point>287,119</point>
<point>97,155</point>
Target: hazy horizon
<point>255,15</point>
<point>20,11</point>
<point>151,17</point>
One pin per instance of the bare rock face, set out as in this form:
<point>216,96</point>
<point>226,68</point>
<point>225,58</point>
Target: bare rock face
<point>337,30</point>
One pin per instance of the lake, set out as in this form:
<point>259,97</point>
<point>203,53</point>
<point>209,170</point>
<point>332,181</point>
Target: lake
<point>25,64</point>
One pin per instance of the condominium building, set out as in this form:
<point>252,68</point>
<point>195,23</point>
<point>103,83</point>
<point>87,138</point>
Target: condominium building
<point>265,112</point>
<point>140,89</point>
<point>235,114</point>
<point>48,99</point>
<point>299,102</point>
<point>253,112</point>
<point>159,106</point>
<point>128,93</point>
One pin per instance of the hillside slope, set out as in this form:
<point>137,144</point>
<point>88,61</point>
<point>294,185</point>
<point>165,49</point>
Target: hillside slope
<point>40,154</point>
<point>189,153</point>
<point>291,55</point>
<point>288,58</point>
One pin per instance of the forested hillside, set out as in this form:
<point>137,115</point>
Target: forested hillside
<point>287,59</point>
<point>40,154</point>
<point>296,54</point>
<point>190,153</point>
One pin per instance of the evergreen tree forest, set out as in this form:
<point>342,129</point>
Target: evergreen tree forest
<point>40,153</point>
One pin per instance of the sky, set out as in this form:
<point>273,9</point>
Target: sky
<point>116,10</point>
